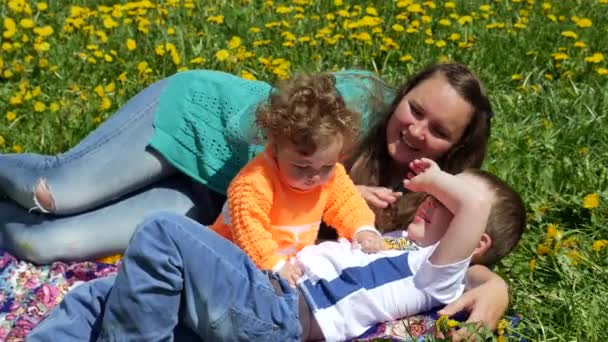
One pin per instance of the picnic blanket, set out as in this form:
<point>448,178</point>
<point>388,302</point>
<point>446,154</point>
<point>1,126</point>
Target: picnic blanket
<point>29,292</point>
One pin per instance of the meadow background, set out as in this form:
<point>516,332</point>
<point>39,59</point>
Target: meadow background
<point>66,66</point>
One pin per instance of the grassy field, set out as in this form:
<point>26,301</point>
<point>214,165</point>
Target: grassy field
<point>65,66</point>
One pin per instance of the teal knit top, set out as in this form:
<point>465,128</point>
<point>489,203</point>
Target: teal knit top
<point>205,120</point>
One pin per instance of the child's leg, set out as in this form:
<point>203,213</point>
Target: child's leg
<point>174,264</point>
<point>77,318</point>
<point>111,161</point>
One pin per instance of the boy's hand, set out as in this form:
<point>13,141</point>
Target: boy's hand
<point>370,242</point>
<point>422,173</point>
<point>291,273</point>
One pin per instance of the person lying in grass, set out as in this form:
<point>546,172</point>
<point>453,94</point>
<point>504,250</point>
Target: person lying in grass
<point>179,278</point>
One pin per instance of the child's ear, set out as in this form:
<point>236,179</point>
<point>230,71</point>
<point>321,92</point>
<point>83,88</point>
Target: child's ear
<point>482,247</point>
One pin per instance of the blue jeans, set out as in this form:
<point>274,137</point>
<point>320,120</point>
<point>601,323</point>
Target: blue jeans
<point>101,189</point>
<point>177,274</point>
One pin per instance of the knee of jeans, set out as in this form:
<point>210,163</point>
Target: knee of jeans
<point>43,198</point>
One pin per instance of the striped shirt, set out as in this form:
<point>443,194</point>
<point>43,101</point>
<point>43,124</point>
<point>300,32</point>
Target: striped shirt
<point>349,291</point>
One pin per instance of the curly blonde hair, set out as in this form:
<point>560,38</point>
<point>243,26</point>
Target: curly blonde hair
<point>308,111</point>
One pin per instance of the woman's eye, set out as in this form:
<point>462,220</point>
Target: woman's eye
<point>439,133</point>
<point>415,111</point>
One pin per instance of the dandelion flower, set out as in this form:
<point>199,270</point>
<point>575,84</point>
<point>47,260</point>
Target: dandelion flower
<point>39,106</point>
<point>247,75</point>
<point>106,103</point>
<point>131,44</point>
<point>222,55</point>
<point>10,116</point>
<point>17,148</point>
<point>595,58</point>
<point>234,42</point>
<point>584,22</point>
<point>591,201</point>
<point>570,34</point>
<point>598,245</point>
<point>602,71</point>
<point>2,141</point>
<point>532,264</point>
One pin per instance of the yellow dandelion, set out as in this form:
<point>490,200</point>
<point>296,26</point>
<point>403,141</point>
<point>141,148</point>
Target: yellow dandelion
<point>17,148</point>
<point>216,19</point>
<point>450,5</point>
<point>39,106</point>
<point>454,37</point>
<point>2,141</point>
<point>197,60</point>
<point>465,19</point>
<point>26,23</point>
<point>106,103</point>
<point>255,29</point>
<point>445,22</point>
<point>595,58</point>
<point>584,22</point>
<point>516,77</point>
<point>171,31</point>
<point>247,75</point>
<point>570,34</point>
<point>10,28</point>
<point>559,56</point>
<point>440,43</point>
<point>42,6</point>
<point>109,88</point>
<point>542,250</point>
<point>234,42</point>
<point>10,116</point>
<point>99,91</point>
<point>54,106</point>
<point>580,44</point>
<point>602,71</point>
<point>599,245</point>
<point>406,58</point>
<point>532,265</point>
<point>591,201</point>
<point>122,77</point>
<point>131,44</point>
<point>222,55</point>
<point>398,28</point>
<point>553,232</point>
<point>44,31</point>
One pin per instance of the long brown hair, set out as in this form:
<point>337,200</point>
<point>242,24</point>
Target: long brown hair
<point>371,164</point>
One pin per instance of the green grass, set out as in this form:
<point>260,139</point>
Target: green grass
<point>548,136</point>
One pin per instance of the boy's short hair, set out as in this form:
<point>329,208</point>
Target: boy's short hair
<point>507,218</point>
<point>308,111</point>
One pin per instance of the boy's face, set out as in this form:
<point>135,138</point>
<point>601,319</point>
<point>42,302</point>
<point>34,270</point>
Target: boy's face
<point>430,223</point>
<point>304,172</point>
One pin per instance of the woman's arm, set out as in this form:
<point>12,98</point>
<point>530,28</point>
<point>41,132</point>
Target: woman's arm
<point>486,299</point>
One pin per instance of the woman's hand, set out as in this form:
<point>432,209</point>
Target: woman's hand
<point>378,197</point>
<point>486,302</point>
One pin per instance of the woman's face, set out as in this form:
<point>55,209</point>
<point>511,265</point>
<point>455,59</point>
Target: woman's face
<point>428,121</point>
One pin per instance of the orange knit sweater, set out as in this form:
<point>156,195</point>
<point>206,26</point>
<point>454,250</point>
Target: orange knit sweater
<point>271,221</point>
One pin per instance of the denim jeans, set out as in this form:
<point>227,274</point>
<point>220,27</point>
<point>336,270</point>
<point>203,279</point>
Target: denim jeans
<point>101,189</point>
<point>177,274</point>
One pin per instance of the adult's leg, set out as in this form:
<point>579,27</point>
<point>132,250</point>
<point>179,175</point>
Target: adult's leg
<point>111,161</point>
<point>78,316</point>
<point>174,264</point>
<point>42,238</point>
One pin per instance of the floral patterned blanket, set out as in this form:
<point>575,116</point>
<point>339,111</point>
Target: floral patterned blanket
<point>29,292</point>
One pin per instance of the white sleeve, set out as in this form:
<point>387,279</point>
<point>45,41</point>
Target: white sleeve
<point>445,283</point>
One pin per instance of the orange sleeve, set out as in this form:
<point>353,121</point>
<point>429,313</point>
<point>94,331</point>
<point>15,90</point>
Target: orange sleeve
<point>249,205</point>
<point>346,210</point>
